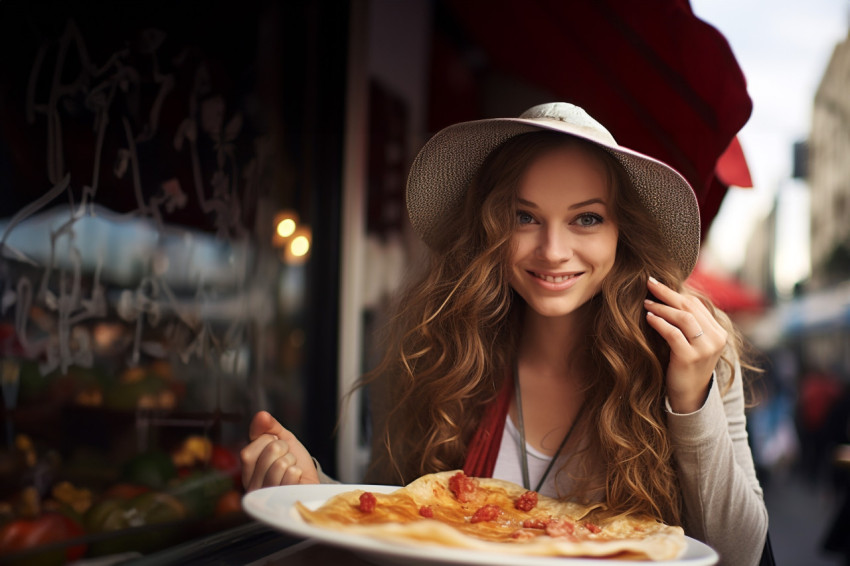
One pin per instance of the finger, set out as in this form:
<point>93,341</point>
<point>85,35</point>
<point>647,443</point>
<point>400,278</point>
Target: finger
<point>689,324</point>
<point>706,343</point>
<point>664,293</point>
<point>292,476</point>
<point>264,423</point>
<point>671,334</point>
<point>272,453</point>
<point>249,456</point>
<point>278,469</point>
<point>704,318</point>
<point>677,300</point>
<point>700,333</point>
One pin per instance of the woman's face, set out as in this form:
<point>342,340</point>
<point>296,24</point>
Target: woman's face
<point>565,239</point>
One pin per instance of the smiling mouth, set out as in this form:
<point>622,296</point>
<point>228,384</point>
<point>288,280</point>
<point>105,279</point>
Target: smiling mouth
<point>554,278</point>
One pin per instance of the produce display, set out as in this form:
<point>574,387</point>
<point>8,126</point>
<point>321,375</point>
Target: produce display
<point>61,501</point>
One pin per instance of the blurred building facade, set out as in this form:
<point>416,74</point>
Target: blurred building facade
<point>757,268</point>
<point>815,320</point>
<point>829,173</point>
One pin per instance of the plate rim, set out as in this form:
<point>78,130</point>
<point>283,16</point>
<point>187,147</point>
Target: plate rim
<point>275,507</point>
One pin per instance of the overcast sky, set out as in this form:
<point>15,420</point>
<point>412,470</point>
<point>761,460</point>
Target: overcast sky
<point>783,47</point>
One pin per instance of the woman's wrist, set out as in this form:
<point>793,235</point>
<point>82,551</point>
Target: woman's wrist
<point>686,402</point>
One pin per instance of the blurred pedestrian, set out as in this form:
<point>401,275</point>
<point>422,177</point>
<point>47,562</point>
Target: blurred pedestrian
<point>819,389</point>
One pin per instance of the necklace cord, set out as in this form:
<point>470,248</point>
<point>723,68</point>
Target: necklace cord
<point>523,450</point>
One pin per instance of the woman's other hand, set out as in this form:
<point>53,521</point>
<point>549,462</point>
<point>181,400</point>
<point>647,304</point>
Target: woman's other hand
<point>696,341</point>
<point>274,456</point>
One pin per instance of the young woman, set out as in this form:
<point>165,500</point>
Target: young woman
<point>551,342</point>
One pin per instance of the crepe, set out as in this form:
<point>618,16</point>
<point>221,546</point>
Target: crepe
<point>450,509</point>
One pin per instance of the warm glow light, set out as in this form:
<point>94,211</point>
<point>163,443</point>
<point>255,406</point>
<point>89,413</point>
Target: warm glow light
<point>297,248</point>
<point>286,227</point>
<point>300,246</point>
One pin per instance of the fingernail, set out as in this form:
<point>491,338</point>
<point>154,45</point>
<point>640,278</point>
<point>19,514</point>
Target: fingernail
<point>648,302</point>
<point>650,314</point>
<point>652,279</point>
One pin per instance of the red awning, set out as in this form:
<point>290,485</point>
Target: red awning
<point>662,80</point>
<point>727,293</point>
<point>732,168</point>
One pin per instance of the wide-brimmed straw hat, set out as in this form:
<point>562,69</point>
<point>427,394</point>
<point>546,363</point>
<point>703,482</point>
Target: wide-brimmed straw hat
<point>446,164</point>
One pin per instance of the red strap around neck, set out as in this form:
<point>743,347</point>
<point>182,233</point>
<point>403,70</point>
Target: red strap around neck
<point>484,447</point>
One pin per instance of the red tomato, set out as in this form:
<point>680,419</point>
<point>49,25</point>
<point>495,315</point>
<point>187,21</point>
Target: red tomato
<point>368,502</point>
<point>230,502</point>
<point>23,534</point>
<point>125,491</point>
<point>226,461</point>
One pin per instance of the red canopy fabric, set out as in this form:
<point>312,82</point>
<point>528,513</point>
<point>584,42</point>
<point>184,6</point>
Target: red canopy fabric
<point>727,293</point>
<point>732,168</point>
<point>660,79</point>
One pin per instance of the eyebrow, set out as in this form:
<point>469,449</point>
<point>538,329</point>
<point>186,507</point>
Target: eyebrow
<point>581,204</point>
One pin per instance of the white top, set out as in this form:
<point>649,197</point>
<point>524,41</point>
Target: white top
<point>509,462</point>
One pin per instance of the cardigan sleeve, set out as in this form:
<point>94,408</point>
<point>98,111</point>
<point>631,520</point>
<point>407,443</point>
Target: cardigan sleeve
<point>723,501</point>
<point>323,477</point>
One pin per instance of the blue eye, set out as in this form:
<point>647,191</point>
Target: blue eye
<point>523,217</point>
<point>589,219</point>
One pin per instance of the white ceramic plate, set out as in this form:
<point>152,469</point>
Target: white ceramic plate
<point>275,506</point>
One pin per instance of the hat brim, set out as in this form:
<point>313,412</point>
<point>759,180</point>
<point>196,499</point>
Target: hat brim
<point>444,167</point>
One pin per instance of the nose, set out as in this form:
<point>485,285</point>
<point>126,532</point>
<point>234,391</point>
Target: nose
<point>555,245</point>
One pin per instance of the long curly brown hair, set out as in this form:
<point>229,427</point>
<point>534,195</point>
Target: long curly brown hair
<point>454,339</point>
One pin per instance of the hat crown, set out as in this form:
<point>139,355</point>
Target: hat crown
<point>573,115</point>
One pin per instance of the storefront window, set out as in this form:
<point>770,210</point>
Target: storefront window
<point>149,303</point>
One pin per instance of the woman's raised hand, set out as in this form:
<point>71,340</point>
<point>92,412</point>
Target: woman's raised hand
<point>696,341</point>
<point>274,456</point>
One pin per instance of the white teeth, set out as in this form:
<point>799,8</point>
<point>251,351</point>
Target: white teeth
<point>553,279</point>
